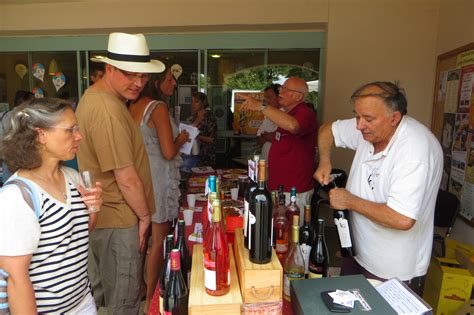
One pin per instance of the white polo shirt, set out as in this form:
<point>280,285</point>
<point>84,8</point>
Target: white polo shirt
<point>405,176</point>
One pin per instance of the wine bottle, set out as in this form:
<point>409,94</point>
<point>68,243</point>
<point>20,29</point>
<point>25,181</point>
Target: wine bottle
<point>344,231</point>
<point>319,256</point>
<point>306,237</point>
<point>211,188</point>
<point>182,246</point>
<point>216,256</point>
<point>292,209</point>
<point>294,263</point>
<point>281,193</point>
<point>250,189</point>
<point>281,228</point>
<point>165,272</point>
<point>260,219</point>
<point>176,295</point>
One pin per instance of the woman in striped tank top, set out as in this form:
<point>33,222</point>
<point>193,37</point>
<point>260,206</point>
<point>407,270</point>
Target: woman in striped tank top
<point>46,256</point>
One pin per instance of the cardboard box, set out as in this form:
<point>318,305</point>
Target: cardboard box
<point>452,246</point>
<point>258,283</point>
<point>202,303</point>
<point>447,286</point>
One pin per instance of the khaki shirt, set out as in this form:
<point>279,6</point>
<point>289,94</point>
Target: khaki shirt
<point>111,140</point>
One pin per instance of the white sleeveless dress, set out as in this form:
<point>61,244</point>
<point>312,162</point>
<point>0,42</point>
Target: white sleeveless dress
<point>165,174</point>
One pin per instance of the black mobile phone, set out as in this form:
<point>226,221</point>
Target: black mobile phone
<point>335,308</point>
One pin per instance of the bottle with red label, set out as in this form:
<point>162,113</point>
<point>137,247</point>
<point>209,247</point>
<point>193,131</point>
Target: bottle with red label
<point>176,297</point>
<point>184,252</point>
<point>165,273</point>
<point>216,256</point>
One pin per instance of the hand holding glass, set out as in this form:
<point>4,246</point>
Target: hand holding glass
<point>88,183</point>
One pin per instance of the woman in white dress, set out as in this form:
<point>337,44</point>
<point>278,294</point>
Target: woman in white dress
<point>162,142</point>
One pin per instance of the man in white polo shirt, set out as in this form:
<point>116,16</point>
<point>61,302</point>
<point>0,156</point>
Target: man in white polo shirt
<point>392,186</point>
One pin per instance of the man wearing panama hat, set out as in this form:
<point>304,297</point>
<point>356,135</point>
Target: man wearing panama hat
<point>114,151</point>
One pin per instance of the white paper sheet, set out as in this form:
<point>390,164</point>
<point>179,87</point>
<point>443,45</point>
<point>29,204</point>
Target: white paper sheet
<point>193,133</point>
<point>400,298</point>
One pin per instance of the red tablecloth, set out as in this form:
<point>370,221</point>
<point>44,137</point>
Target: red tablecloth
<point>197,217</point>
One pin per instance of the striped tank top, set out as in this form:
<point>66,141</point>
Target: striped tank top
<point>58,269</point>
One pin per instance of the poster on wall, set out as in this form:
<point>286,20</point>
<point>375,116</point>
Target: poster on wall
<point>467,201</point>
<point>461,132</point>
<point>443,80</point>
<point>466,89</point>
<point>455,184</point>
<point>446,172</point>
<point>448,131</point>
<point>452,90</point>
<point>245,122</point>
<point>470,161</point>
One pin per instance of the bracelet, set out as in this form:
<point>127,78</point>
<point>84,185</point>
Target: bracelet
<point>142,216</point>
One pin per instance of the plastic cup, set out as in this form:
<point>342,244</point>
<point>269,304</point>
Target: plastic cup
<point>234,193</point>
<point>188,216</point>
<point>191,200</point>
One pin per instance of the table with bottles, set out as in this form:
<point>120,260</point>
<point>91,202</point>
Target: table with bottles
<point>291,242</point>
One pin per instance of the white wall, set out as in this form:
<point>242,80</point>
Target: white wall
<point>380,40</point>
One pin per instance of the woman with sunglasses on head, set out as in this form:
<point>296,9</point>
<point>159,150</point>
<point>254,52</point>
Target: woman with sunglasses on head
<point>46,256</point>
<point>162,141</point>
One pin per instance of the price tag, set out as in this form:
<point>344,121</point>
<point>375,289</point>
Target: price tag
<point>343,231</point>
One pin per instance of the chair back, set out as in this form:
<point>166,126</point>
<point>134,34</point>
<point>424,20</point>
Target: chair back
<point>446,210</point>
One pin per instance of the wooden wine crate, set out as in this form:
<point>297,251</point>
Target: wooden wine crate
<point>202,303</point>
<point>258,283</point>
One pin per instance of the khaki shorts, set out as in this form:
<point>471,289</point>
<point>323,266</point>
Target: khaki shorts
<point>115,269</point>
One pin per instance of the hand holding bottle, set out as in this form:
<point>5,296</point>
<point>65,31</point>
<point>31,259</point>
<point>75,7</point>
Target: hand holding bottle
<point>341,198</point>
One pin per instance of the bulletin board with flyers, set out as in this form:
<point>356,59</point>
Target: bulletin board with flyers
<point>453,124</point>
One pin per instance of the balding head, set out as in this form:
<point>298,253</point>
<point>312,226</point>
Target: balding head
<point>293,92</point>
<point>297,84</point>
<point>392,95</point>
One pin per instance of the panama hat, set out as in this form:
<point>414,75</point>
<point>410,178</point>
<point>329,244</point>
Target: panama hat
<point>130,52</point>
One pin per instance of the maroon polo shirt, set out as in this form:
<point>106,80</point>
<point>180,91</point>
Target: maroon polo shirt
<point>291,156</point>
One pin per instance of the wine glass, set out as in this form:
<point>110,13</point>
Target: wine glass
<point>88,183</point>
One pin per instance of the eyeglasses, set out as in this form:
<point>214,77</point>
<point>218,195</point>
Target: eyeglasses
<point>133,76</point>
<point>284,88</point>
<point>71,130</point>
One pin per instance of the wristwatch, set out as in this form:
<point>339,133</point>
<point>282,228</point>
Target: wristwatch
<point>263,105</point>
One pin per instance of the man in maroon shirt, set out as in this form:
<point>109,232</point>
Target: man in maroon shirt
<point>291,160</point>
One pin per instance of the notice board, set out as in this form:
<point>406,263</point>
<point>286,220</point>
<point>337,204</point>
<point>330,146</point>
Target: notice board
<point>453,124</point>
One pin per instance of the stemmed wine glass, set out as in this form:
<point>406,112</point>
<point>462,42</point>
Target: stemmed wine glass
<point>88,183</point>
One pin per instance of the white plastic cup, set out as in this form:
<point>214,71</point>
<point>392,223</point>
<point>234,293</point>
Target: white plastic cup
<point>234,193</point>
<point>191,200</point>
<point>188,216</point>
